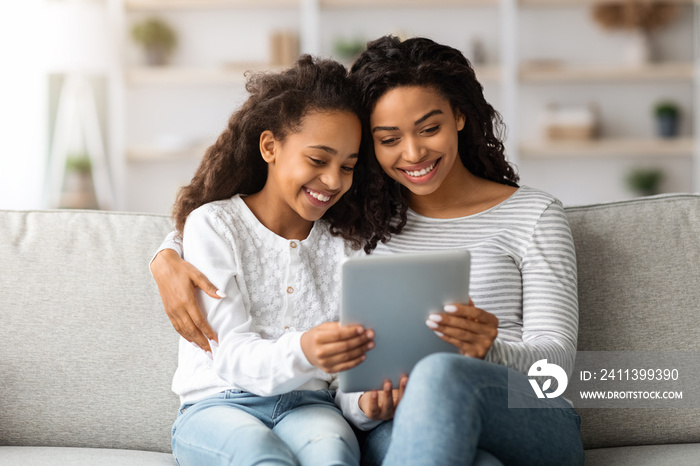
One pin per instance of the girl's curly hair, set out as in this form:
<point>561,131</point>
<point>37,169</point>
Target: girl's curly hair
<point>278,102</point>
<point>389,63</point>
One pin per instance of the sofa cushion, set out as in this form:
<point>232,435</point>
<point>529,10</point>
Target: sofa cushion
<point>88,354</point>
<point>639,276</point>
<point>57,456</point>
<point>645,455</point>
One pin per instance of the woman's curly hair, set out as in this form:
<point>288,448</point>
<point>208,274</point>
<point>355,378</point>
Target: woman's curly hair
<point>389,63</point>
<point>278,102</point>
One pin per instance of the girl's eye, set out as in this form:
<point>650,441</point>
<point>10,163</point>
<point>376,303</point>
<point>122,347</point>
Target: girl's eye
<point>317,161</point>
<point>388,141</point>
<point>432,129</point>
<point>348,169</point>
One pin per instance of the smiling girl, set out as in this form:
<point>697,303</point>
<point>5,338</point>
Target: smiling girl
<point>257,220</point>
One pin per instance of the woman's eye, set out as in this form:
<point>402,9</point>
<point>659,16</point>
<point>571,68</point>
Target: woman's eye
<point>388,141</point>
<point>348,169</point>
<point>432,129</point>
<point>317,161</point>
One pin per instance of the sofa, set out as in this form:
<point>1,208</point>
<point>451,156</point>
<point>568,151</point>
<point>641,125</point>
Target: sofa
<point>87,353</point>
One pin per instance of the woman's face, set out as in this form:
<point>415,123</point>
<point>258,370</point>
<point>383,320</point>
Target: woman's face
<point>415,137</point>
<point>312,168</point>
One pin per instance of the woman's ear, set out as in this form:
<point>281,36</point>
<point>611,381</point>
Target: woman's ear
<point>460,119</point>
<point>267,146</point>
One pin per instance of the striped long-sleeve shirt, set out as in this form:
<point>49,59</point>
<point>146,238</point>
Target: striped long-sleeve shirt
<point>523,272</point>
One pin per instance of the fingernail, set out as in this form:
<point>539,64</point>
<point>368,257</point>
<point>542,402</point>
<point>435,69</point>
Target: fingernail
<point>213,344</point>
<point>450,308</point>
<point>435,317</point>
<point>360,330</point>
<point>210,355</point>
<point>195,345</point>
<point>221,294</point>
<point>440,334</point>
<point>431,324</point>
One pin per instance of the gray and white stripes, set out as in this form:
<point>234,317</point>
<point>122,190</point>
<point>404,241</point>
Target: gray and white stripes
<point>523,272</point>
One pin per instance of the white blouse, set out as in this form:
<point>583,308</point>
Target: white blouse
<point>276,289</point>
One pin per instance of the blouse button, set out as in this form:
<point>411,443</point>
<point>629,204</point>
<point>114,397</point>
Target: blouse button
<point>290,290</point>
<point>293,244</point>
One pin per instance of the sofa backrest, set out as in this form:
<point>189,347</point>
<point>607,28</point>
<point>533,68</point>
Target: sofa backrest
<point>639,290</point>
<point>86,352</point>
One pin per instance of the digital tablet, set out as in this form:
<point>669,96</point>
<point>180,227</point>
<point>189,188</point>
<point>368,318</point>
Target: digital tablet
<point>393,295</point>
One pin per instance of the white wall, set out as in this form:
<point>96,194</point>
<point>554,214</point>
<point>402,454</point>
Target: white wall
<point>23,94</point>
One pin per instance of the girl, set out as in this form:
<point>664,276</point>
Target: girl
<point>438,178</point>
<point>261,218</point>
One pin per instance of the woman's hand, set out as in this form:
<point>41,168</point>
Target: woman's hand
<point>335,348</point>
<point>467,327</point>
<point>177,280</point>
<point>382,404</point>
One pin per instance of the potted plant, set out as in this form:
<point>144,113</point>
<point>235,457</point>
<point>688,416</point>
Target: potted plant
<point>158,39</point>
<point>78,188</point>
<point>666,119</point>
<point>645,181</point>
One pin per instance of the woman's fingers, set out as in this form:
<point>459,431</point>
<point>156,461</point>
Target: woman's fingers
<point>467,327</point>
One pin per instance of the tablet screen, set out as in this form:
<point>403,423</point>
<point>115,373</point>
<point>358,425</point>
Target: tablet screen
<point>393,295</point>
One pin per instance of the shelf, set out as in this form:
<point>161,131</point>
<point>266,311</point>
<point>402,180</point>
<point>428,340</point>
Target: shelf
<point>549,73</point>
<point>358,4</point>
<point>233,74</point>
<point>609,147</point>
<point>159,5</point>
<point>563,3</point>
<point>487,72</point>
<point>155,154</point>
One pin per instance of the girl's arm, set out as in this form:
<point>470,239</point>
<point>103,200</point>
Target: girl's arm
<point>366,410</point>
<point>177,281</point>
<point>242,358</point>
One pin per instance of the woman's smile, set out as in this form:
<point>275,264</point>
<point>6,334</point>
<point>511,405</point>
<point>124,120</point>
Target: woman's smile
<point>421,173</point>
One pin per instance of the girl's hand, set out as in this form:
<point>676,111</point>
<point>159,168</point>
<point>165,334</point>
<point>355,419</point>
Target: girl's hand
<point>335,348</point>
<point>177,280</point>
<point>382,404</point>
<point>467,327</point>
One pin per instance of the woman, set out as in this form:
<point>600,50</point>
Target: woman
<point>438,179</point>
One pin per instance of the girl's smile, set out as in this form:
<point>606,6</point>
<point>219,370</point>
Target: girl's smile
<point>309,170</point>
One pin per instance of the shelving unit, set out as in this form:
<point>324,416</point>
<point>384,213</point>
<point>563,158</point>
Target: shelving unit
<point>601,148</point>
<point>508,75</point>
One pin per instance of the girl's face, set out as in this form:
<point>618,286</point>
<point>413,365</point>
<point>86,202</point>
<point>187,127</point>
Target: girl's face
<point>312,168</point>
<point>415,137</point>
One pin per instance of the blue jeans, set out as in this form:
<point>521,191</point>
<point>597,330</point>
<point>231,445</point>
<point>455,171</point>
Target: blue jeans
<point>455,412</point>
<point>238,428</point>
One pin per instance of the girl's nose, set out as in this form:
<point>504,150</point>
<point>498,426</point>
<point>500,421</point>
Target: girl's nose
<point>331,178</point>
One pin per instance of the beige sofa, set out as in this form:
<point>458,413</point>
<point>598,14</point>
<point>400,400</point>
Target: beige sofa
<point>87,353</point>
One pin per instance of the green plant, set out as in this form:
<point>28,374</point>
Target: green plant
<point>154,32</point>
<point>349,49</point>
<point>645,181</point>
<point>78,163</point>
<point>666,109</point>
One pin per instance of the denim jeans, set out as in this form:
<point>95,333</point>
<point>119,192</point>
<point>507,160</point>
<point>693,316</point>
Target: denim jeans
<point>455,412</point>
<point>238,428</point>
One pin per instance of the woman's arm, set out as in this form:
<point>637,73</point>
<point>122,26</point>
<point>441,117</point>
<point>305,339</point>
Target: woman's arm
<point>177,281</point>
<point>549,305</point>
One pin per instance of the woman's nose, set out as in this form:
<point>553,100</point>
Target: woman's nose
<point>414,151</point>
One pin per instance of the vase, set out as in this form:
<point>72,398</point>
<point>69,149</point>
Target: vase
<point>638,48</point>
<point>667,125</point>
